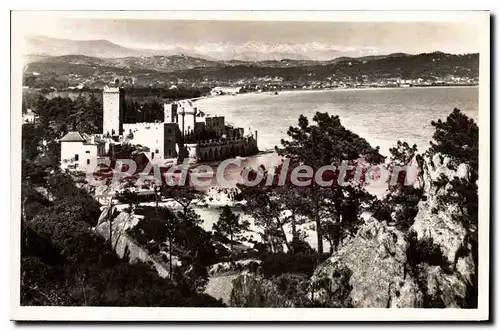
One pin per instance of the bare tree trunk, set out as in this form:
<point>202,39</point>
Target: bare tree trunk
<point>156,198</point>
<point>283,234</point>
<point>111,224</point>
<point>231,235</point>
<point>288,246</point>
<point>294,226</point>
<point>318,225</point>
<point>170,257</point>
<point>24,225</point>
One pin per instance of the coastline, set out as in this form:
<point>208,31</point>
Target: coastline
<point>286,91</point>
<point>239,109</point>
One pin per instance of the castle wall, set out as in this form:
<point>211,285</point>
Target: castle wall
<point>220,149</point>
<point>215,123</point>
<point>170,113</point>
<point>150,135</point>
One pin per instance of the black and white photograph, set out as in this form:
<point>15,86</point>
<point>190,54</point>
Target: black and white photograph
<point>197,162</point>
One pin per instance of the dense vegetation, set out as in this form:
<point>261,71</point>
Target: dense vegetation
<point>328,143</point>
<point>64,261</point>
<point>426,66</point>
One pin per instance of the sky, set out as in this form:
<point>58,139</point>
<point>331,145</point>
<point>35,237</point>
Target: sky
<point>382,37</point>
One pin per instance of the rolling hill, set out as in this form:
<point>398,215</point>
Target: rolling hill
<point>67,70</point>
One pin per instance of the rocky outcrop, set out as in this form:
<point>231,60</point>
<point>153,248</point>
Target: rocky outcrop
<point>375,259</point>
<point>221,286</point>
<point>439,221</point>
<point>373,265</point>
<point>123,244</point>
<point>434,219</point>
<point>222,274</point>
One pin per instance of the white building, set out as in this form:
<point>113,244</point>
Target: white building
<point>160,139</point>
<point>80,152</point>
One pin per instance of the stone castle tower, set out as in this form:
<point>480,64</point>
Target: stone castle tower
<point>111,100</point>
<point>182,113</point>
<point>170,113</point>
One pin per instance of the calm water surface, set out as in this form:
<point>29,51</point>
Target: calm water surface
<point>382,116</point>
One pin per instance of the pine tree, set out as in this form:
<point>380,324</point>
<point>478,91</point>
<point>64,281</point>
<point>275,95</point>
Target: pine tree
<point>229,224</point>
<point>327,142</point>
<point>457,137</point>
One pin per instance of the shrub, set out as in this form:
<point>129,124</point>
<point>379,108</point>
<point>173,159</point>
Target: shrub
<point>286,290</point>
<point>424,250</point>
<point>421,252</point>
<point>333,291</point>
<point>300,263</point>
<point>254,291</point>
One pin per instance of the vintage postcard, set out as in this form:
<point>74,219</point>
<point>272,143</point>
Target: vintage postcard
<point>189,166</point>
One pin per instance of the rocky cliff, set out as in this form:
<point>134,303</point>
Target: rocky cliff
<point>440,221</point>
<point>380,268</point>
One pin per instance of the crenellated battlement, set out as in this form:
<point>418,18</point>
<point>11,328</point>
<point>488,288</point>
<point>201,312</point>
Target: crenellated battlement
<point>225,142</point>
<point>108,89</point>
<point>140,126</point>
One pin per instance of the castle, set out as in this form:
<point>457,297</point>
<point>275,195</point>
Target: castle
<point>186,132</point>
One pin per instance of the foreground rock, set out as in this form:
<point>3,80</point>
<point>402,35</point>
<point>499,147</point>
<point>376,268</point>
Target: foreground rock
<point>221,276</point>
<point>451,281</point>
<point>430,266</point>
<point>373,265</point>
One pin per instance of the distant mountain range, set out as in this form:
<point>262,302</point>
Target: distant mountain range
<point>174,63</point>
<point>248,52</point>
<point>41,45</point>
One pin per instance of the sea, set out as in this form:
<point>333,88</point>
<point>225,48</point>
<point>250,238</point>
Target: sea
<point>380,115</point>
